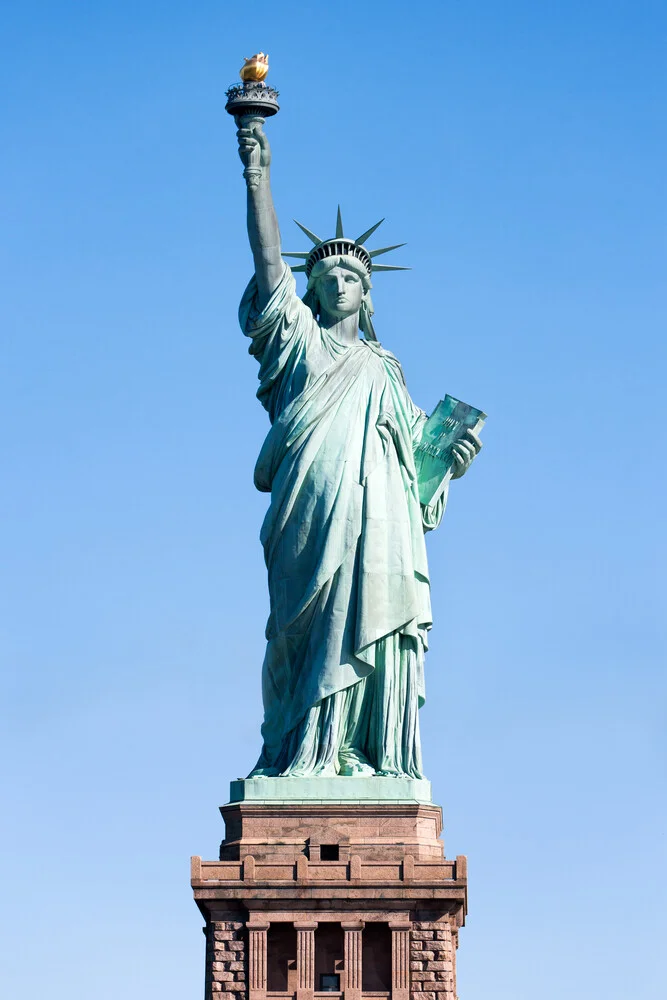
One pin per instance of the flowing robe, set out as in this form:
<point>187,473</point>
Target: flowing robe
<point>344,546</point>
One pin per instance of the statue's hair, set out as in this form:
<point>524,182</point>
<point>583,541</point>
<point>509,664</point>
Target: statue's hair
<point>312,299</point>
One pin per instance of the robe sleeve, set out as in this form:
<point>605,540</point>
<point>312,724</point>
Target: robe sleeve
<point>431,514</point>
<point>279,334</point>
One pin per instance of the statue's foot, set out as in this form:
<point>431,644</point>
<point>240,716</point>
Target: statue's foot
<point>388,773</point>
<point>353,763</point>
<point>328,771</point>
<point>263,772</point>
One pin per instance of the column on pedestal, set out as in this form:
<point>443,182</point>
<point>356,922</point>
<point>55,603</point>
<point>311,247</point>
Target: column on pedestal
<point>352,970</point>
<point>305,959</point>
<point>400,959</point>
<point>257,951</point>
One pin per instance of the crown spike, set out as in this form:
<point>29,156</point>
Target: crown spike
<point>376,253</point>
<point>389,267</point>
<point>369,232</point>
<point>302,256</point>
<point>339,225</point>
<point>309,234</point>
<point>298,267</point>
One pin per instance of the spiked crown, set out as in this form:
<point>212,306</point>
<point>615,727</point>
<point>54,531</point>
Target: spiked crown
<point>340,245</point>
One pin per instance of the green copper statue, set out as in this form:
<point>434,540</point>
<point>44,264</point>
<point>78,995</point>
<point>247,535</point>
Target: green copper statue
<point>343,538</point>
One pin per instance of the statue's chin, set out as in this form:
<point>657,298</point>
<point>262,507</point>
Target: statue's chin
<point>339,314</point>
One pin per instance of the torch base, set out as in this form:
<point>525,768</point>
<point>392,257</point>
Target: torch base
<point>252,98</point>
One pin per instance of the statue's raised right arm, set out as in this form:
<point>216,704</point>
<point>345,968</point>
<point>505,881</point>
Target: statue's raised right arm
<point>263,231</point>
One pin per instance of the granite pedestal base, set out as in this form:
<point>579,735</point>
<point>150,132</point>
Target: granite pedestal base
<point>331,899</point>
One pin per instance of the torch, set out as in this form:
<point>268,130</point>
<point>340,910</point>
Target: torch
<point>251,102</point>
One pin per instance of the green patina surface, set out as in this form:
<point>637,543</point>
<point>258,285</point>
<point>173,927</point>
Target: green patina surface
<point>343,674</point>
<point>339,789</point>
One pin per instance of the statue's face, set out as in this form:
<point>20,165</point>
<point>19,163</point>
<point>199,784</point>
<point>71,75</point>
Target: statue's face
<point>340,292</point>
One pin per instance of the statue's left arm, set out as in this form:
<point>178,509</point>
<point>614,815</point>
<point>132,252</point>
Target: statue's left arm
<point>464,452</point>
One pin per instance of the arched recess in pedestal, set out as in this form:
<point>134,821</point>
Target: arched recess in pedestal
<point>281,958</point>
<point>376,958</point>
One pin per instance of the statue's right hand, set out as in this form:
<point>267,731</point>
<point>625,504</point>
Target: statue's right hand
<point>252,142</point>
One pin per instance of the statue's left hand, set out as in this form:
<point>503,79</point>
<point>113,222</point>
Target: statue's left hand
<point>464,452</point>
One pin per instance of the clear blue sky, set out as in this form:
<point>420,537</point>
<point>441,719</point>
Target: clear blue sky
<point>520,150</point>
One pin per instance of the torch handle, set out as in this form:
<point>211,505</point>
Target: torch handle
<point>253,171</point>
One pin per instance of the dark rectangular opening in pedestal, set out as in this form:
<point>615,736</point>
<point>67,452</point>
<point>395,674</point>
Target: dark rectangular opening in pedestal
<point>329,852</point>
<point>376,958</point>
<point>329,983</point>
<point>281,958</point>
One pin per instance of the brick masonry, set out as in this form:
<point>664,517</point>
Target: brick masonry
<point>432,960</point>
<point>226,960</point>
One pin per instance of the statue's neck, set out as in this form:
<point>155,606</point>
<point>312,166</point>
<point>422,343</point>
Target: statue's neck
<point>345,330</point>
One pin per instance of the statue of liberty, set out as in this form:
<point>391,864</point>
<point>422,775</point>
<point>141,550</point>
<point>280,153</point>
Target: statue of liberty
<point>343,674</point>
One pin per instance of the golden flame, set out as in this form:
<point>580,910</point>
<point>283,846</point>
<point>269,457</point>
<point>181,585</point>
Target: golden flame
<point>255,68</point>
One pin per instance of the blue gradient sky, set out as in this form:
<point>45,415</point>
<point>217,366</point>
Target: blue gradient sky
<point>520,149</point>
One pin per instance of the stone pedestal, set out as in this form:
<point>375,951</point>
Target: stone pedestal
<point>314,898</point>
